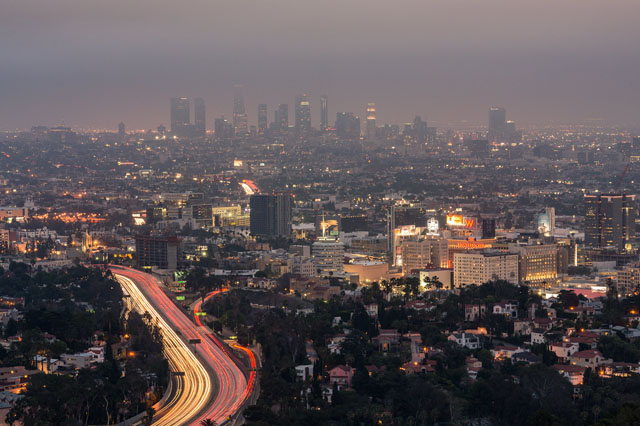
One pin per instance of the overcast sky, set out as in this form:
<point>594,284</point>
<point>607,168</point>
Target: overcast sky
<point>99,62</point>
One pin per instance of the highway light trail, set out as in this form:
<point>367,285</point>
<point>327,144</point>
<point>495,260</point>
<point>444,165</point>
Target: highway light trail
<point>195,399</point>
<point>247,351</point>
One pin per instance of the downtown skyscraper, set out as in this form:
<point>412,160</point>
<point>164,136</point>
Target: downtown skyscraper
<point>180,115</point>
<point>371,120</point>
<point>200,117</point>
<point>240,120</point>
<point>282,117</point>
<point>324,113</point>
<point>263,119</point>
<point>303,114</point>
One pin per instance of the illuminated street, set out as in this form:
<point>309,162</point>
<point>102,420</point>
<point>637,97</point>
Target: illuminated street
<point>196,397</point>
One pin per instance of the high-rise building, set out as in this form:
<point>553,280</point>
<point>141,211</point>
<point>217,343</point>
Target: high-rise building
<point>200,117</point>
<point>371,120</point>
<point>538,264</point>
<point>180,115</point>
<point>404,221</point>
<point>262,119</point>
<point>121,130</point>
<point>328,257</point>
<point>303,114</point>
<point>488,228</point>
<point>282,117</point>
<point>324,113</point>
<point>160,251</point>
<point>240,120</point>
<point>271,214</point>
<point>223,129</point>
<point>497,123</point>
<point>480,267</point>
<point>347,125</point>
<point>420,254</point>
<point>420,129</point>
<point>609,220</point>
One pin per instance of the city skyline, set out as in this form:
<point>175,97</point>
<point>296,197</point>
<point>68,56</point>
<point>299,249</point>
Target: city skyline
<point>437,61</point>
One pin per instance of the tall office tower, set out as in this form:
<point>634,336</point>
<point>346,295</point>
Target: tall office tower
<point>371,120</point>
<point>262,119</point>
<point>420,129</point>
<point>347,125</point>
<point>609,220</point>
<point>180,117</point>
<point>200,117</point>
<point>282,117</point>
<point>488,228</point>
<point>222,129</point>
<point>121,130</point>
<point>497,123</point>
<point>404,221</point>
<point>328,257</point>
<point>270,214</point>
<point>160,251</point>
<point>303,114</point>
<point>240,121</point>
<point>324,113</point>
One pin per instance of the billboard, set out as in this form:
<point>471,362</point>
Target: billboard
<point>460,221</point>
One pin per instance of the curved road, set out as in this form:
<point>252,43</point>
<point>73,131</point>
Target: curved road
<point>196,397</point>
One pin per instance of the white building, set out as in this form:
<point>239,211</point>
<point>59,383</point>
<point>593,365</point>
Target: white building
<point>479,267</point>
<point>328,257</point>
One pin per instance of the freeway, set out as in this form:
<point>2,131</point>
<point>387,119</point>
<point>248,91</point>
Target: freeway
<point>247,351</point>
<point>210,385</point>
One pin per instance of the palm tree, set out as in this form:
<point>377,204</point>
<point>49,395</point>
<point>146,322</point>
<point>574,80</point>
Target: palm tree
<point>208,422</point>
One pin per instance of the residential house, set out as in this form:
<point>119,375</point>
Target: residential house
<point>386,338</point>
<point>564,350</point>
<point>591,358</point>
<point>304,372</point>
<point>342,375</point>
<point>469,341</point>
<point>508,309</point>
<point>474,312</point>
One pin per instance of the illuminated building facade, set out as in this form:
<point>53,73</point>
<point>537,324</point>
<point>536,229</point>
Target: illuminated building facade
<point>404,221</point>
<point>328,257</point>
<point>480,267</point>
<point>303,114</point>
<point>610,220</point>
<point>547,221</point>
<point>371,120</point>
<point>538,264</point>
<point>416,255</point>
<point>628,281</point>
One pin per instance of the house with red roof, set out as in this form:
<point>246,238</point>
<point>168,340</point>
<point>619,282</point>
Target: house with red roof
<point>342,375</point>
<point>591,358</point>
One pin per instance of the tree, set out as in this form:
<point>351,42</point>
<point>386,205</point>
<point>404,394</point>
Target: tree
<point>147,420</point>
<point>208,422</point>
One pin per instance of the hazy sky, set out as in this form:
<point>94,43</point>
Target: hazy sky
<point>98,62</point>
